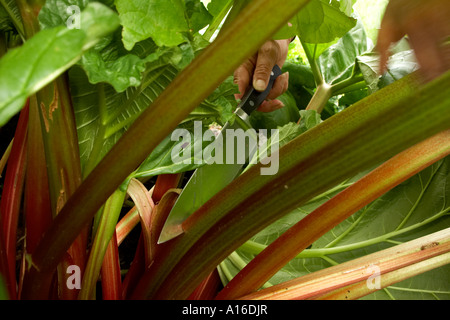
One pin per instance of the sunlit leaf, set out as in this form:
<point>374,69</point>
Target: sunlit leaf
<point>162,20</point>
<point>318,22</point>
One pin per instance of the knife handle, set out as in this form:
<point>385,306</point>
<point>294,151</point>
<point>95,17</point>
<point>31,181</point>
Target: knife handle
<point>253,98</point>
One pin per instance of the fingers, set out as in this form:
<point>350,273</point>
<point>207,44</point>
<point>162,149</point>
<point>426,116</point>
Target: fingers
<point>242,77</point>
<point>426,24</point>
<point>280,86</point>
<point>271,105</point>
<point>257,69</point>
<point>268,56</point>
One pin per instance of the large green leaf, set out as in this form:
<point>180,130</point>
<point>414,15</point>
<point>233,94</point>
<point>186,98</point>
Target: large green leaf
<point>318,22</point>
<point>161,161</point>
<point>10,17</point>
<point>417,207</point>
<point>162,20</point>
<point>26,70</point>
<point>29,68</point>
<point>103,114</point>
<point>198,15</point>
<point>399,65</point>
<point>107,61</point>
<point>215,7</point>
<point>338,61</point>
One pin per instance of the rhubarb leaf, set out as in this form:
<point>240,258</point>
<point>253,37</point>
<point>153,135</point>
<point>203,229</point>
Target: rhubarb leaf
<point>27,69</point>
<point>198,15</point>
<point>318,22</point>
<point>162,20</point>
<point>190,150</point>
<point>338,61</point>
<point>103,115</point>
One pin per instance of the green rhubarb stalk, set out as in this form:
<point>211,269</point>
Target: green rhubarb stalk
<point>60,143</point>
<point>37,207</point>
<point>110,273</point>
<point>63,161</point>
<point>350,280</point>
<point>361,289</point>
<point>215,24</point>
<point>300,236</point>
<point>105,231</point>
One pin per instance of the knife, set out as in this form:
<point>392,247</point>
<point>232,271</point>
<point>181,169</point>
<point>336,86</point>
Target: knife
<point>199,188</point>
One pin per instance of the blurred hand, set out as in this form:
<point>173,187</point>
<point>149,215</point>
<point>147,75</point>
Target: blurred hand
<point>257,69</point>
<point>427,23</point>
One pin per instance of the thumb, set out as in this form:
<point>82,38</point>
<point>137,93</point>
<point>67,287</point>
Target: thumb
<point>266,60</point>
<point>261,76</point>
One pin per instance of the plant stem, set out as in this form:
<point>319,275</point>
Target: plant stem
<point>257,248</point>
<point>394,264</point>
<point>37,207</point>
<point>29,11</point>
<point>335,211</point>
<point>347,85</point>
<point>207,290</point>
<point>126,224</point>
<point>11,199</point>
<point>145,206</point>
<point>317,73</point>
<point>320,98</point>
<point>110,273</point>
<point>215,24</point>
<point>105,231</point>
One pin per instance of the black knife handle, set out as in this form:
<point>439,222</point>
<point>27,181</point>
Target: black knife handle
<point>253,98</point>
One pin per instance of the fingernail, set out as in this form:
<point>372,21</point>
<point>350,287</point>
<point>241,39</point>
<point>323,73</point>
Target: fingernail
<point>260,85</point>
<point>278,105</point>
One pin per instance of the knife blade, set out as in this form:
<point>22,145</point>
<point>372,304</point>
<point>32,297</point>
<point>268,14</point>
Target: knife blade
<point>209,179</point>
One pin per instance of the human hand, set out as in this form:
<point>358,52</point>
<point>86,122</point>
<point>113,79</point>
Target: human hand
<point>427,23</point>
<point>257,69</point>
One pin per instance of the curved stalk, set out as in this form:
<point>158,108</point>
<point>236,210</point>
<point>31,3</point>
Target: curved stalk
<point>335,211</point>
<point>353,279</point>
<point>105,231</point>
<point>11,197</point>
